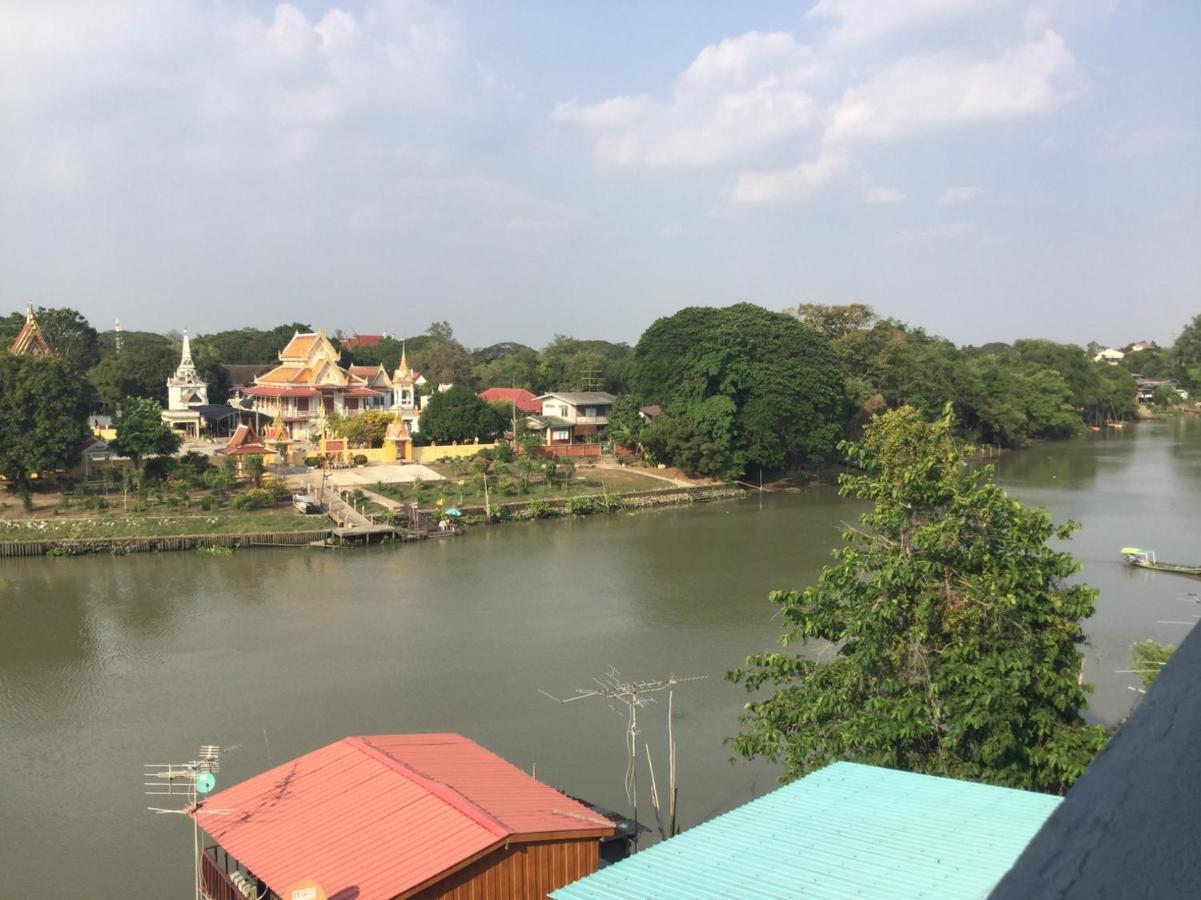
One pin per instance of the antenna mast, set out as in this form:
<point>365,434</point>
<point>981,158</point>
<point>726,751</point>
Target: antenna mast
<point>633,694</point>
<point>192,780</point>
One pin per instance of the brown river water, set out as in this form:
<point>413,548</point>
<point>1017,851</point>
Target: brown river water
<point>107,663</point>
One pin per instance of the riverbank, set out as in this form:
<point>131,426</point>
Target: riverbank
<point>281,528</point>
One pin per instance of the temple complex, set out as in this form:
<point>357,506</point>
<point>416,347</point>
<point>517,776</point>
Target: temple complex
<point>309,384</point>
<point>186,393</point>
<point>29,340</point>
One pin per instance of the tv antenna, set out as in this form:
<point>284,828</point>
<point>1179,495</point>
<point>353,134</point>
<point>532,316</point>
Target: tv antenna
<point>633,695</point>
<point>593,380</point>
<point>191,780</point>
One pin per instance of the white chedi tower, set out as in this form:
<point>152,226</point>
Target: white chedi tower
<point>186,389</point>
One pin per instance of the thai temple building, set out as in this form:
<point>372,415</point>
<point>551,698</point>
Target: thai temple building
<point>404,392</point>
<point>309,384</point>
<point>29,340</point>
<point>186,393</point>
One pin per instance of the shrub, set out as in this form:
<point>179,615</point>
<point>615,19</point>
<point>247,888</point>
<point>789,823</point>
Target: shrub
<point>582,506</point>
<point>360,459</point>
<point>540,509</point>
<point>253,498</point>
<point>277,489</point>
<point>312,461</point>
<point>206,502</point>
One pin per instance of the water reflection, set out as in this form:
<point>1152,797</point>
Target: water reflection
<point>106,663</point>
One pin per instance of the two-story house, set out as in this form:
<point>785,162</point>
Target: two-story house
<point>573,417</point>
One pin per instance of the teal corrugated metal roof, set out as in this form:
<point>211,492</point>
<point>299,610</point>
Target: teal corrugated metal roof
<point>847,830</point>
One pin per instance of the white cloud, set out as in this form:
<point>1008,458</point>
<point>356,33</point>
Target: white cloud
<point>736,98</point>
<point>958,195</point>
<point>931,91</point>
<point>882,195</point>
<point>933,234</point>
<point>785,185</point>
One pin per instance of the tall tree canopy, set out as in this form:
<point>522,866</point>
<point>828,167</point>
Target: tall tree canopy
<point>952,633</point>
<point>458,414</point>
<point>140,369</point>
<point>1186,353</point>
<point>43,416</point>
<point>742,389</point>
<point>253,345</point>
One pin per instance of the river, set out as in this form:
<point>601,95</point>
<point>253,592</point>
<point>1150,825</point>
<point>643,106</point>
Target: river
<point>107,663</point>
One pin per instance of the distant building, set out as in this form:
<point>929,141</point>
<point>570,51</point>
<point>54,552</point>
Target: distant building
<point>362,340</point>
<point>651,412</point>
<point>1111,355</point>
<point>1140,346</point>
<point>186,393</point>
<point>570,417</point>
<point>29,340</point>
<point>523,400</point>
<point>401,815</point>
<point>847,830</point>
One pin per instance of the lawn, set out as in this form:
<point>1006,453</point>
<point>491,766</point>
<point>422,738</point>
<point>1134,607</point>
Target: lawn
<point>114,523</point>
<point>587,480</point>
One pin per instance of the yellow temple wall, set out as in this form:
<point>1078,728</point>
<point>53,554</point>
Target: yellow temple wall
<point>441,451</point>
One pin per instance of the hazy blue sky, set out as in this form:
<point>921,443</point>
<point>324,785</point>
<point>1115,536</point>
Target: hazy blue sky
<point>984,168</point>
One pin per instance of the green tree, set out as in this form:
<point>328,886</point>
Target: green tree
<point>1186,355</point>
<point>43,417</point>
<point>755,389</point>
<point>70,336</point>
<point>252,345</point>
<point>141,431</point>
<point>445,362</point>
<point>835,321</point>
<point>255,467</point>
<point>441,331</point>
<point>458,414</point>
<point>140,369</point>
<point>625,421</point>
<point>952,633</point>
<point>364,430</point>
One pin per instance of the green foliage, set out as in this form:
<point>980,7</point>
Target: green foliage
<point>835,321</point>
<point>1147,658</point>
<point>625,421</point>
<point>364,430</point>
<point>43,417</point>
<point>951,632</point>
<point>742,388</point>
<point>1165,395</point>
<point>1186,356</point>
<point>255,467</point>
<point>253,498</point>
<point>445,362</point>
<point>141,431</point>
<point>141,369</point>
<point>249,345</point>
<point>458,414</point>
<point>571,364</point>
<point>70,336</point>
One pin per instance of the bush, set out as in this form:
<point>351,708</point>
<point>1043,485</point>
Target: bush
<point>206,502</point>
<point>157,469</point>
<point>312,461</point>
<point>582,506</point>
<point>360,459</point>
<point>192,464</point>
<point>253,498</point>
<point>540,509</point>
<point>277,489</point>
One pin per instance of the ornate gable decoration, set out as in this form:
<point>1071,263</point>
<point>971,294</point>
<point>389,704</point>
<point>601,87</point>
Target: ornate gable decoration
<point>29,340</point>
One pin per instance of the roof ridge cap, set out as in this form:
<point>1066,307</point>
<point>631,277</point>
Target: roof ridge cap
<point>443,792</point>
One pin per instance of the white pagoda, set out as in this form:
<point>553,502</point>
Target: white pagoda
<point>186,392</point>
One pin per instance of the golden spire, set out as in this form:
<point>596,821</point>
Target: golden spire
<point>404,360</point>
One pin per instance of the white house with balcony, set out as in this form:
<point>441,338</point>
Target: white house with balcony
<point>573,417</point>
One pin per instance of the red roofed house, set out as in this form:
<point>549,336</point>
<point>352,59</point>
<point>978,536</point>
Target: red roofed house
<point>362,340</point>
<point>403,815</point>
<point>525,400</point>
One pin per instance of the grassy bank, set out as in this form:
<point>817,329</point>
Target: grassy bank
<point>120,525</point>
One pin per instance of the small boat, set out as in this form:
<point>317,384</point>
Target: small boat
<point>1145,559</point>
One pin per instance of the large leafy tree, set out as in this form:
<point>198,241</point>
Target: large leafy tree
<point>1186,354</point>
<point>141,431</point>
<point>755,390</point>
<point>253,345</point>
<point>70,336</point>
<point>43,417</point>
<point>458,414</point>
<point>140,369</point>
<point>951,634</point>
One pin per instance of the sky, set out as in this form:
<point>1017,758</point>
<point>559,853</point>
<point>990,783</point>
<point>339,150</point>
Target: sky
<point>986,169</point>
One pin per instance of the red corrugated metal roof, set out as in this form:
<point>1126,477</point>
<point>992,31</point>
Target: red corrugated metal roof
<point>385,814</point>
<point>524,399</point>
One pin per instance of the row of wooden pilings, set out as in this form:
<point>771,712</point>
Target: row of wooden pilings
<point>80,546</point>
